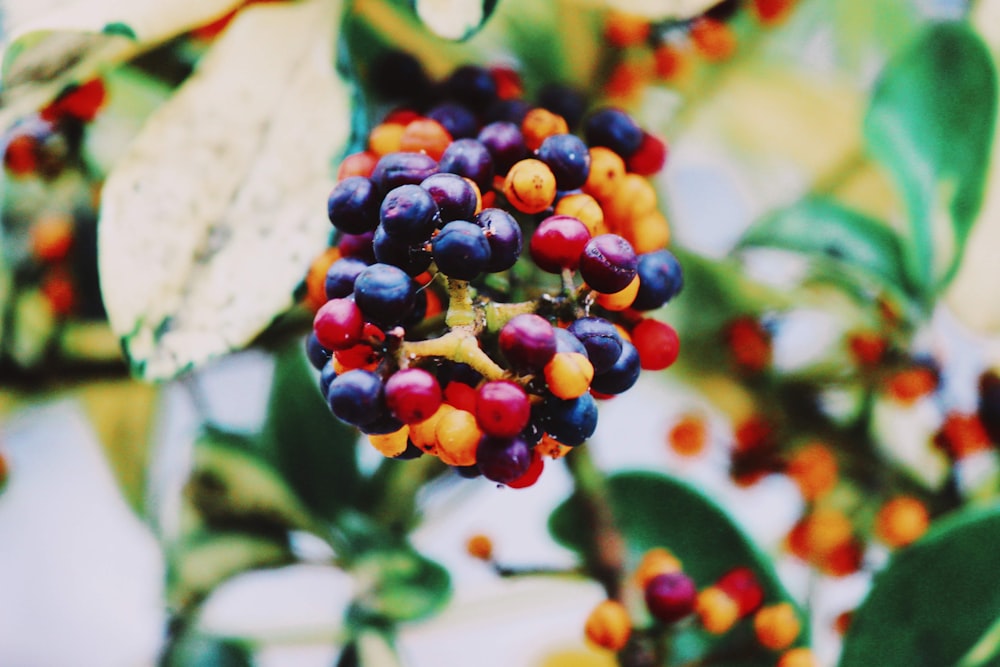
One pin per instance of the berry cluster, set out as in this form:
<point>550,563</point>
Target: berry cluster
<point>670,596</point>
<point>435,333</point>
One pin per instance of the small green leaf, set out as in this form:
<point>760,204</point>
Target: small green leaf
<point>825,231</point>
<point>454,19</point>
<point>400,585</point>
<point>930,124</point>
<point>194,650</point>
<point>119,28</point>
<point>936,603</point>
<point>312,451</point>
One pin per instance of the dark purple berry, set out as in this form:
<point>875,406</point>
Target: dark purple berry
<point>395,169</point>
<point>459,121</point>
<point>505,143</point>
<point>353,205</point>
<point>568,158</point>
<point>671,596</point>
<point>567,342</point>
<point>572,421</point>
<point>413,260</point>
<point>614,129</point>
<point>460,250</point>
<point>358,246</point>
<point>503,460</point>
<point>504,236</point>
<point>409,213</point>
<point>660,279</point>
<point>564,101</point>
<point>382,424</point>
<point>510,111</point>
<point>356,397</point>
<point>456,198</point>
<point>471,159</point>
<point>601,339</point>
<point>622,374</point>
<point>472,86</point>
<point>341,275</point>
<point>326,376</point>
<point>316,353</point>
<point>385,294</point>
<point>412,395</point>
<point>528,342</point>
<point>608,263</point>
<point>558,242</point>
<point>397,75</point>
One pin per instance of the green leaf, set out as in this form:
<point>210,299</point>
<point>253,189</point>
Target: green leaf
<point>936,603</point>
<point>454,19</point>
<point>312,451</point>
<point>825,231</point>
<point>398,585</point>
<point>653,510</point>
<point>930,124</point>
<point>208,222</point>
<point>194,650</point>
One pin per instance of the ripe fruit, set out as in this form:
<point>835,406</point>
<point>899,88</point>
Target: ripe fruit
<point>777,626</point>
<point>572,421</point>
<point>528,342</point>
<point>409,213</point>
<point>385,294</point>
<point>657,344</point>
<point>901,521</point>
<point>601,340</point>
<point>503,460</point>
<point>338,324</point>
<point>655,562</point>
<point>502,408</point>
<point>412,395</point>
<point>568,158</point>
<point>353,205</point>
<point>461,250</point>
<point>480,546</point>
<point>614,129</point>
<point>608,625</point>
<point>356,397</point>
<point>716,610</point>
<point>670,596</point>
<point>530,186</point>
<point>608,263</point>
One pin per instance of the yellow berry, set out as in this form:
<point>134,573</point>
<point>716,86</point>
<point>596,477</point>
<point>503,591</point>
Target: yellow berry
<point>568,375</point>
<point>619,300</point>
<point>798,657</point>
<point>655,562</point>
<point>901,521</point>
<point>607,169</point>
<point>717,611</point>
<point>423,433</point>
<point>458,435</point>
<point>385,138</point>
<point>584,208</point>
<point>777,626</point>
<point>390,444</point>
<point>530,186</point>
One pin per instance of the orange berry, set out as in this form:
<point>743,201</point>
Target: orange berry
<point>962,435</point>
<point>670,62</point>
<point>386,138</point>
<point>539,124</point>
<point>633,198</point>
<point>458,435</point>
<point>424,135</point>
<point>423,434</point>
<point>628,79</point>
<point>908,385</point>
<point>867,347</point>
<point>714,40</point>
<point>647,233</point>
<point>622,29</point>
<point>608,625</point>
<point>357,164</point>
<point>480,546</point>
<point>551,448</point>
<point>798,657</point>
<point>607,169</point>
<point>656,561</point>
<point>772,11</point>
<point>530,186</point>
<point>390,444</point>
<point>777,626</point>
<point>568,375</point>
<point>813,468</point>
<point>316,278</point>
<point>901,521</point>
<point>51,237</point>
<point>843,622</point>
<point>689,436</point>
<point>619,300</point>
<point>716,610</point>
<point>749,343</point>
<point>20,157</point>
<point>584,208</point>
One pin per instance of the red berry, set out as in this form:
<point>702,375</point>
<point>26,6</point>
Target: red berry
<point>657,343</point>
<point>338,324</point>
<point>528,342</point>
<point>671,596</point>
<point>532,474</point>
<point>742,586</point>
<point>460,395</point>
<point>558,242</point>
<point>412,395</point>
<point>502,408</point>
<point>650,157</point>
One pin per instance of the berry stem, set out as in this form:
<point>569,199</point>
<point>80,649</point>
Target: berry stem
<point>461,312</point>
<point>605,555</point>
<point>499,314</point>
<point>459,345</point>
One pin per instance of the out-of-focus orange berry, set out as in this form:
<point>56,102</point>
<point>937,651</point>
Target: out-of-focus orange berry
<point>813,468</point>
<point>749,343</point>
<point>622,29</point>
<point>316,278</point>
<point>798,657</point>
<point>714,40</point>
<point>539,124</point>
<point>908,385</point>
<point>689,436</point>
<point>867,347</point>
<point>716,610</point>
<point>770,12</point>
<point>901,521</point>
<point>608,625</point>
<point>480,546</point>
<point>656,561</point>
<point>962,435</point>
<point>777,626</point>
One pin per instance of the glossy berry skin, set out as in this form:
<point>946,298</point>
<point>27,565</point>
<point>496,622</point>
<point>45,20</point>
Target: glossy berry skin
<point>671,596</point>
<point>356,397</point>
<point>358,246</point>
<point>455,197</point>
<point>397,169</point>
<point>353,205</point>
<point>568,158</point>
<point>742,586</point>
<point>471,159</point>
<point>660,279</point>
<point>608,264</point>
<point>326,376</point>
<point>502,408</point>
<point>614,129</point>
<point>622,375</point>
<point>412,395</point>
<point>530,475</point>
<point>461,250</point>
<point>341,275</point>
<point>503,460</point>
<point>383,424</point>
<point>409,213</point>
<point>601,340</point>
<point>649,158</point>
<point>558,242</point>
<point>385,294</point>
<point>390,250</point>
<point>657,344</point>
<point>528,342</point>
<point>338,324</point>
<point>505,144</point>
<point>567,342</point>
<point>503,233</point>
<point>572,421</point>
<point>459,121</point>
<point>317,355</point>
<point>530,186</point>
